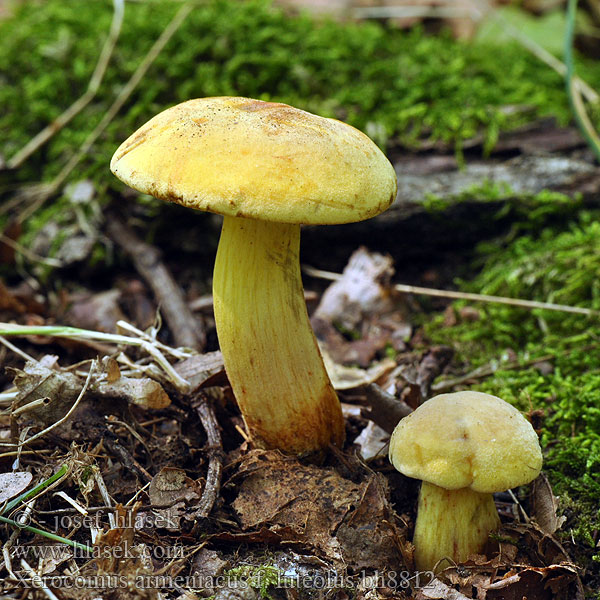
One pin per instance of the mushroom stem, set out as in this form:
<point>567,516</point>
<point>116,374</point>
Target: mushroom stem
<point>452,524</point>
<point>270,352</point>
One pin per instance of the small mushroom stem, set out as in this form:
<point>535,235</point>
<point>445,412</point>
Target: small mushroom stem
<point>270,352</point>
<point>451,524</point>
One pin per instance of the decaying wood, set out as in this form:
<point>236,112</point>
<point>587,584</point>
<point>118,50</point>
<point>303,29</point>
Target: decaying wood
<point>385,410</point>
<point>187,330</point>
<point>409,228</point>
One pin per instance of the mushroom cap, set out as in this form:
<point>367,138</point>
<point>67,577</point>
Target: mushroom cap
<point>467,440</point>
<point>260,160</point>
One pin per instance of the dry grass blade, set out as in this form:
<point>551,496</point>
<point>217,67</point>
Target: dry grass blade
<point>107,50</point>
<point>151,347</point>
<point>47,190</point>
<point>583,120</point>
<point>518,302</point>
<point>542,54</point>
<point>69,412</point>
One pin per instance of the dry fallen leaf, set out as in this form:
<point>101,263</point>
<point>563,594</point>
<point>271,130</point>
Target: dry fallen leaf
<point>347,378</point>
<point>171,486</point>
<point>545,506</point>
<point>364,289</point>
<point>437,590</point>
<point>530,564</point>
<point>347,522</point>
<point>144,392</point>
<point>12,484</point>
<point>201,370</point>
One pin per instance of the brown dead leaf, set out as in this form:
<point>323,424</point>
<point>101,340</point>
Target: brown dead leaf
<point>545,506</point>
<point>532,565</point>
<point>262,536</point>
<point>115,554</point>
<point>172,486</point>
<point>308,501</point>
<point>52,392</point>
<point>202,370</point>
<point>144,392</point>
<point>99,312</point>
<point>317,508</point>
<point>368,537</point>
<point>550,583</point>
<point>111,367</point>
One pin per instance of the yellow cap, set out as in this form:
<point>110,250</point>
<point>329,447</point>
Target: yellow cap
<point>467,439</point>
<point>260,160</point>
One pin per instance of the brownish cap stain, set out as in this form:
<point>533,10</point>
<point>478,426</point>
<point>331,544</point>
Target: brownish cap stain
<point>255,105</point>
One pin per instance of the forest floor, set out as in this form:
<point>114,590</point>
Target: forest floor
<point>126,469</point>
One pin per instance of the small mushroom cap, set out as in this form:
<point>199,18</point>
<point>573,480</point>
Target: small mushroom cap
<point>260,160</point>
<point>467,439</point>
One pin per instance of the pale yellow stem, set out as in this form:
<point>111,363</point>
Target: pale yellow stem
<point>451,524</point>
<point>269,349</point>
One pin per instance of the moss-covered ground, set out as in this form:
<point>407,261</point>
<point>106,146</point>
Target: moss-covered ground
<point>401,87</point>
<point>557,264</point>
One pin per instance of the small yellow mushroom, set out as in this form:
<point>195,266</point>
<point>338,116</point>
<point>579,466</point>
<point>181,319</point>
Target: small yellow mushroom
<point>464,447</point>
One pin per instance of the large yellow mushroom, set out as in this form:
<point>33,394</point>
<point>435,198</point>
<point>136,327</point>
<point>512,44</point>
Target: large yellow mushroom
<point>464,447</point>
<point>268,168</point>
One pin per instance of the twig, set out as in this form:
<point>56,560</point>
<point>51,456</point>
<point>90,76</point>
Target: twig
<point>107,50</point>
<point>128,461</point>
<point>485,371</point>
<point>17,351</point>
<point>185,327</point>
<point>418,12</point>
<point>30,254</point>
<point>215,451</point>
<point>44,191</point>
<point>413,289</point>
<point>385,410</point>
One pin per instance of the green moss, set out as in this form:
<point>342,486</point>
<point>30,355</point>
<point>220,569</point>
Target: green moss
<point>396,84</point>
<point>261,578</point>
<point>386,82</point>
<point>562,266</point>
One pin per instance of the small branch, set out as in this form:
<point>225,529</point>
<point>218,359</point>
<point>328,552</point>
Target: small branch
<point>215,451</point>
<point>413,289</point>
<point>385,410</point>
<point>186,329</point>
<point>127,460</point>
<point>107,50</point>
